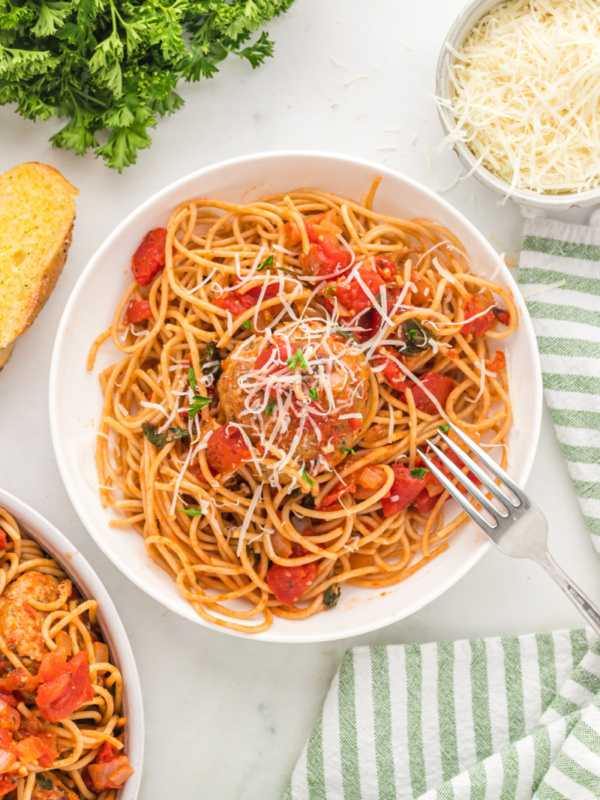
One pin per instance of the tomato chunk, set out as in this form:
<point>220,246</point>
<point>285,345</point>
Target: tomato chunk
<point>35,748</point>
<point>288,584</point>
<point>149,259</point>
<point>275,354</point>
<point>66,688</point>
<point>7,784</point>
<point>339,490</point>
<point>109,770</point>
<point>238,302</point>
<point>3,540</point>
<point>438,385</point>
<point>137,311</point>
<point>325,255</point>
<point>425,502</point>
<point>226,449</point>
<point>385,267</point>
<point>498,363</point>
<point>477,304</point>
<point>405,489</point>
<point>352,296</point>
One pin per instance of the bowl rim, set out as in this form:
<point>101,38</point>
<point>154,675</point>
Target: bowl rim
<point>466,19</point>
<point>135,576</point>
<point>76,566</point>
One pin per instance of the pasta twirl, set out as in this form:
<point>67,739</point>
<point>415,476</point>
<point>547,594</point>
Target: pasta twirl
<point>281,363</point>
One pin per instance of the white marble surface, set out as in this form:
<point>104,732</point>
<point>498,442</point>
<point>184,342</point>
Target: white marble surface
<point>226,718</point>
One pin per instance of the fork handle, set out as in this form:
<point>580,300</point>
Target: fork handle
<point>586,607</point>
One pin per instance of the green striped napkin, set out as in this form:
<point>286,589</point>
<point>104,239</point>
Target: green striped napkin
<point>509,718</point>
<point>560,280</point>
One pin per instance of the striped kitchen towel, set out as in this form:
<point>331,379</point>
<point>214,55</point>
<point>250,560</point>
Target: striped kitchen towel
<point>509,718</point>
<point>560,280</point>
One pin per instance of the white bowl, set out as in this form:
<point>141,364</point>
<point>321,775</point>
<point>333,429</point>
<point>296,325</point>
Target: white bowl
<point>462,26</point>
<point>89,584</point>
<point>76,401</point>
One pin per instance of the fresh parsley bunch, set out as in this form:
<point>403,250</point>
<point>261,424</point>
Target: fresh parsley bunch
<point>111,67</point>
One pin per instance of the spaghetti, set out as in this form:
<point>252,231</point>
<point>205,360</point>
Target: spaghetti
<point>61,729</point>
<point>282,361</point>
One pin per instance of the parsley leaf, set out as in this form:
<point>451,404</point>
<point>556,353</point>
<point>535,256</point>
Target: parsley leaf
<point>348,450</point>
<point>419,472</point>
<point>444,428</point>
<point>269,407</point>
<point>197,404</point>
<point>247,324</point>
<point>304,474</point>
<point>297,358</point>
<point>328,291</point>
<point>313,393</point>
<point>266,264</point>
<point>192,379</point>
<point>111,68</point>
<point>192,512</point>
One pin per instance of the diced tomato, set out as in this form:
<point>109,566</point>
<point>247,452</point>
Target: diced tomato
<point>392,372</point>
<point>405,489</point>
<point>438,385</point>
<point>109,770</point>
<point>502,316</point>
<point>149,259</point>
<point>137,311</point>
<point>425,502</point>
<point>67,689</point>
<point>288,584</point>
<point>226,449</point>
<point>325,256</point>
<point>10,719</point>
<point>498,363</point>
<point>339,490</point>
<point>35,748</point>
<point>8,783</point>
<point>352,296</point>
<point>476,304</point>
<point>19,679</point>
<point>277,352</point>
<point>238,302</point>
<point>8,697</point>
<point>385,267</point>
<point>328,222</point>
<point>423,292</point>
<point>375,322</point>
<point>3,540</point>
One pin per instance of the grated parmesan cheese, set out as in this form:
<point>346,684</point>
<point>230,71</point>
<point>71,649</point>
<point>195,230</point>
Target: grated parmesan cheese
<point>525,94</point>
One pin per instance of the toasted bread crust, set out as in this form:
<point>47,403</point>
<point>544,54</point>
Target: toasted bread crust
<point>53,264</point>
<point>47,281</point>
<point>5,354</point>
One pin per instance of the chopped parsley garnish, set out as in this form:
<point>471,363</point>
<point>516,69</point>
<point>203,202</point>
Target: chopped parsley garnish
<point>297,359</point>
<point>159,440</point>
<point>313,393</point>
<point>419,472</point>
<point>296,494</point>
<point>266,264</point>
<point>328,291</point>
<point>304,474</point>
<point>192,512</point>
<point>269,408</point>
<point>332,595</point>
<point>198,403</point>
<point>444,428</point>
<point>253,556</point>
<point>192,378</point>
<point>348,450</point>
<point>247,324</point>
<point>345,334</point>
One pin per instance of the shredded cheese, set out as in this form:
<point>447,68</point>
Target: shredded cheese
<point>525,94</point>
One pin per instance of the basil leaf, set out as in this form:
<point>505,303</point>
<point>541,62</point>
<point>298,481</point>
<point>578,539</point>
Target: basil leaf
<point>417,337</point>
<point>419,472</point>
<point>332,595</point>
<point>192,512</point>
<point>159,440</point>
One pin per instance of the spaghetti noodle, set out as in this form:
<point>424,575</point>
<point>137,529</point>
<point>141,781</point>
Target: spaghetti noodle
<point>61,729</point>
<point>282,362</point>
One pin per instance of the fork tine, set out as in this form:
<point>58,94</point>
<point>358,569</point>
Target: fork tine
<point>458,496</point>
<point>489,463</point>
<point>478,472</point>
<point>467,483</point>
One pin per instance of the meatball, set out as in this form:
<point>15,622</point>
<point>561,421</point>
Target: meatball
<point>20,623</point>
<point>47,787</point>
<point>304,391</point>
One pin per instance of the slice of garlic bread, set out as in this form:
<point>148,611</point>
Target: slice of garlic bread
<point>37,210</point>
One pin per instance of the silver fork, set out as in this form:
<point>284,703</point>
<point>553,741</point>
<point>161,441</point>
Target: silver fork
<point>518,527</point>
